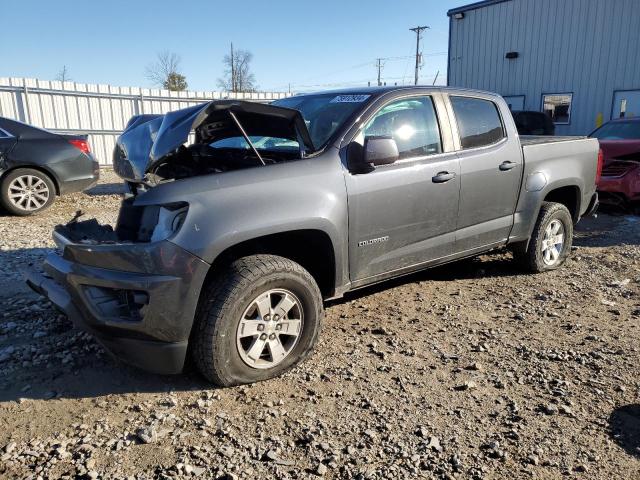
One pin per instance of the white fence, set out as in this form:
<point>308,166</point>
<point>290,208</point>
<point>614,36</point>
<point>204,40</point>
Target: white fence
<point>100,111</point>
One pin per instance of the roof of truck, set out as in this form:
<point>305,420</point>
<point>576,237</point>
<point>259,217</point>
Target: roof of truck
<point>392,88</point>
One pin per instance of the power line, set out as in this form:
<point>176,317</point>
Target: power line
<point>383,61</point>
<point>418,31</point>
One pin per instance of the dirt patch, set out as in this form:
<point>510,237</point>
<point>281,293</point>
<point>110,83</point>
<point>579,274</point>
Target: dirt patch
<point>473,370</point>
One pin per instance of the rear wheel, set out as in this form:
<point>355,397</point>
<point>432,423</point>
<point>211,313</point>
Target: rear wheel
<point>259,318</point>
<point>551,239</point>
<point>25,191</point>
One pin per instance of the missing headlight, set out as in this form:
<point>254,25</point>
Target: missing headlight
<point>170,220</point>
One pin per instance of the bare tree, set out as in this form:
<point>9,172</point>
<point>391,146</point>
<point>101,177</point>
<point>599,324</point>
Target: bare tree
<point>237,75</point>
<point>63,75</point>
<point>164,72</point>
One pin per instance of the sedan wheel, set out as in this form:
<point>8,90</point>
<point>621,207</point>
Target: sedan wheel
<point>25,191</point>
<point>29,193</point>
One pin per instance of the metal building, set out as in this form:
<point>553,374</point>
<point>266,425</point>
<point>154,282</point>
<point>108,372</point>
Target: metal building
<point>578,60</point>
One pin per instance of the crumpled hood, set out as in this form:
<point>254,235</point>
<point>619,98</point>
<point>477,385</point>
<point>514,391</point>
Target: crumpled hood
<point>148,139</point>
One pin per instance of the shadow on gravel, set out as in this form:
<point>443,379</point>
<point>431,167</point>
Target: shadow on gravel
<point>106,189</point>
<point>624,424</point>
<point>93,377</point>
<point>498,264</point>
<point>607,231</point>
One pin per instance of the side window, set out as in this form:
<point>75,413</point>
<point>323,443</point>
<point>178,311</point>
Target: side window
<point>4,134</point>
<point>412,123</point>
<point>478,120</point>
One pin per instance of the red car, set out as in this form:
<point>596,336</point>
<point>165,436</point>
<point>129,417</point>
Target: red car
<point>620,144</point>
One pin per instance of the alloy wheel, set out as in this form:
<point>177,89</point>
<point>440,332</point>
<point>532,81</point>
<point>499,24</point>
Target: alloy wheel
<point>270,328</point>
<point>28,193</point>
<point>553,242</point>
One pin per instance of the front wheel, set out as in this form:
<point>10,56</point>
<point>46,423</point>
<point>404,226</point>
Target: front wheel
<point>25,191</point>
<point>551,240</point>
<point>259,318</point>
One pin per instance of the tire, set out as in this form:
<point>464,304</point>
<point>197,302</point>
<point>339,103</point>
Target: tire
<point>235,300</point>
<point>25,191</point>
<point>540,256</point>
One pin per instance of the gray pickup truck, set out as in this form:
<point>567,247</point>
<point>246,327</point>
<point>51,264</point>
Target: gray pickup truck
<point>241,218</point>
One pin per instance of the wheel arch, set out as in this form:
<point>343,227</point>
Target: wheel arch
<point>312,249</point>
<point>567,195</point>
<point>39,168</point>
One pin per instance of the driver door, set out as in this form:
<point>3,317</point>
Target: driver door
<point>404,215</point>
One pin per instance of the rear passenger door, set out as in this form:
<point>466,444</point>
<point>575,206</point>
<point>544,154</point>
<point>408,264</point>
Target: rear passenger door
<point>490,172</point>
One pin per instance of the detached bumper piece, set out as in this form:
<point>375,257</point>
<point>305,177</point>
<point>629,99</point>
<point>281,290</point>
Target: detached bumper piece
<point>141,317</point>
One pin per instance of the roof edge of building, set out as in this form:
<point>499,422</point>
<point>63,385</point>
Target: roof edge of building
<point>474,6</point>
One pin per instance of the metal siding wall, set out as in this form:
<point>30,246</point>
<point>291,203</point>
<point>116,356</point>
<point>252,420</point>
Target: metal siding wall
<point>100,111</point>
<point>587,47</point>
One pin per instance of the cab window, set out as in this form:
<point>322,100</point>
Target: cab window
<point>412,123</point>
<point>478,120</point>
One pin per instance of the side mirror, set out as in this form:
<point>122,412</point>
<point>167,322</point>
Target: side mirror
<point>380,151</point>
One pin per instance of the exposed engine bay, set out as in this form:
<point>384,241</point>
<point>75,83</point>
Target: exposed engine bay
<point>202,159</point>
<point>227,135</point>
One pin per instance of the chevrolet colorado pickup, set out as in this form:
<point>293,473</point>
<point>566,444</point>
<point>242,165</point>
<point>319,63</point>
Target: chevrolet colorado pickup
<point>241,218</point>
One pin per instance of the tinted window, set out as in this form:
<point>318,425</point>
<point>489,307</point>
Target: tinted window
<point>412,123</point>
<point>4,133</point>
<point>618,131</point>
<point>478,120</point>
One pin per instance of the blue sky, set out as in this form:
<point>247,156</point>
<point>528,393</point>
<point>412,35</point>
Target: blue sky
<point>312,45</point>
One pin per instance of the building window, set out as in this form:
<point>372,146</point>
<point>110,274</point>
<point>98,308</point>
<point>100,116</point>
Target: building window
<point>558,107</point>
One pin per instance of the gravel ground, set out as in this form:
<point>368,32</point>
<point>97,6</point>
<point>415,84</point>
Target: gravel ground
<point>473,370</point>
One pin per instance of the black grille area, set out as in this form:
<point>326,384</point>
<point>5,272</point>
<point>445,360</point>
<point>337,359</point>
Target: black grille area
<point>618,168</point>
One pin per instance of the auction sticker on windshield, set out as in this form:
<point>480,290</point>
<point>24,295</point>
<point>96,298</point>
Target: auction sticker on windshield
<point>350,98</point>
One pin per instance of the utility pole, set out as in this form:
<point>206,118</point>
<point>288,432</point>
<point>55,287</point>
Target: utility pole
<point>418,31</point>
<point>233,71</point>
<point>379,66</point>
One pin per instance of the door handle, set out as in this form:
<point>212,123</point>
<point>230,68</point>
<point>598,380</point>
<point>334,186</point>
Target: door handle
<point>504,166</point>
<point>443,177</point>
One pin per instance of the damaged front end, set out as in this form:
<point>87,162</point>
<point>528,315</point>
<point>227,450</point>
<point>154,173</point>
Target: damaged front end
<point>214,137</point>
<point>131,287</point>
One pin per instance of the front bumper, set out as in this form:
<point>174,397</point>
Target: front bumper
<point>627,186</point>
<point>138,300</point>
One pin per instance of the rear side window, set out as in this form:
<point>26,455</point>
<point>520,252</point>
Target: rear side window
<point>478,120</point>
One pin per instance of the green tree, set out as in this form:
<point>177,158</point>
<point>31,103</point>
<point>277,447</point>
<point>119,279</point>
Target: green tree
<point>164,72</point>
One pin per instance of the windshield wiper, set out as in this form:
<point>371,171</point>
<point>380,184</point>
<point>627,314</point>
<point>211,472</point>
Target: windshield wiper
<point>246,137</point>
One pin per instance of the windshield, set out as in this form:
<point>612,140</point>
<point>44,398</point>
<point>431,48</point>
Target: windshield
<point>618,131</point>
<point>260,143</point>
<point>324,113</point>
